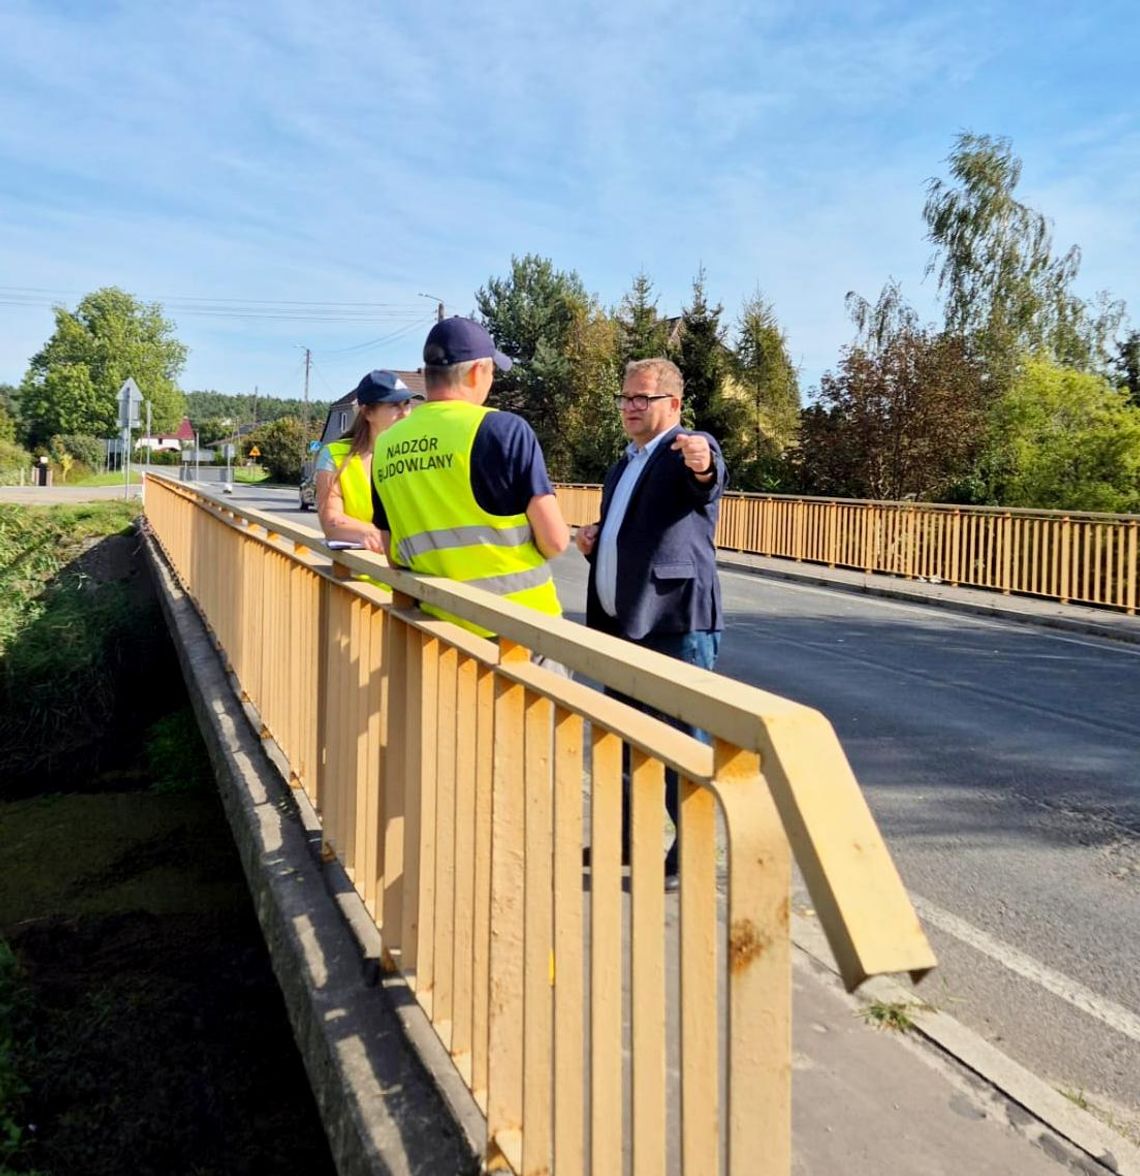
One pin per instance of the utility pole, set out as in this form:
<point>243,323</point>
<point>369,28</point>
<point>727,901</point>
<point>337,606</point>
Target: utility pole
<point>305,412</point>
<point>439,306</point>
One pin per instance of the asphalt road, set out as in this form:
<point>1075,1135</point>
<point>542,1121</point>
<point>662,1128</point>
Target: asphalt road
<point>1002,762</point>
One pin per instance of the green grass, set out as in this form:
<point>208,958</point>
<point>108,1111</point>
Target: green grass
<point>1076,1097</point>
<point>13,1015</point>
<point>61,628</point>
<point>36,542</point>
<point>250,474</point>
<point>894,1014</point>
<point>175,755</point>
<point>113,479</point>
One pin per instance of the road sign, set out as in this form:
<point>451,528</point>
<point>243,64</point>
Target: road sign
<point>254,451</point>
<point>130,398</point>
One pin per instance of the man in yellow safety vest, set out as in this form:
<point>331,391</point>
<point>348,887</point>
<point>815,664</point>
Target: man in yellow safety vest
<point>461,490</point>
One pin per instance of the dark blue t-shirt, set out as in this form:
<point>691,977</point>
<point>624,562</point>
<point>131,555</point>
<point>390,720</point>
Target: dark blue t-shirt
<point>507,468</point>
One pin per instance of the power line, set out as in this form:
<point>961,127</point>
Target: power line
<point>390,338</point>
<point>410,306</point>
<point>285,311</point>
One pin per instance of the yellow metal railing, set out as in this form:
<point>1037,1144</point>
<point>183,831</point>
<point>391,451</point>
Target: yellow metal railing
<point>455,780</point>
<point>1065,556</point>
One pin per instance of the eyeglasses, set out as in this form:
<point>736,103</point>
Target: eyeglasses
<point>637,403</point>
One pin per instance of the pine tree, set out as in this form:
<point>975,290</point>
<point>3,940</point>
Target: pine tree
<point>704,360</point>
<point>643,333</point>
<point>767,381</point>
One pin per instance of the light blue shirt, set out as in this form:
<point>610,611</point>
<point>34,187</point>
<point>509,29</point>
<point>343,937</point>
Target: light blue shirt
<point>605,566</point>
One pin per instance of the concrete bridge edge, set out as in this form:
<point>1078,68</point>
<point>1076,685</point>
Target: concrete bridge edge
<point>385,1093</point>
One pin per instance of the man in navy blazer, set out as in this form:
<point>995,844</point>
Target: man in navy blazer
<point>652,556</point>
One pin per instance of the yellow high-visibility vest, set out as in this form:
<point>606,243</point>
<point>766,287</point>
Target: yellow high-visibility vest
<point>422,471</point>
<point>355,488</point>
<point>355,480</point>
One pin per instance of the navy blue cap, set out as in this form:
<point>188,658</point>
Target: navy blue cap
<point>381,387</point>
<point>458,340</point>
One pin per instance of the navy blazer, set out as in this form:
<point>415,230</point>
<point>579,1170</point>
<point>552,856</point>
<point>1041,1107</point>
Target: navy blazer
<point>666,557</point>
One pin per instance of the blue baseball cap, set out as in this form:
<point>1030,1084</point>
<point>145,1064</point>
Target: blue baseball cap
<point>458,340</point>
<point>381,387</point>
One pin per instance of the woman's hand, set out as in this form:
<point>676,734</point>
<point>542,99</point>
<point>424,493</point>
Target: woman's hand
<point>370,537</point>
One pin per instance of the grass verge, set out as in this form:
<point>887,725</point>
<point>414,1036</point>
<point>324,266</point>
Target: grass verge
<point>110,479</point>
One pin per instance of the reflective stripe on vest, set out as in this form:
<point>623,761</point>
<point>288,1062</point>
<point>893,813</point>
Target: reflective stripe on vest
<point>422,472</point>
<point>353,475</point>
<point>460,537</point>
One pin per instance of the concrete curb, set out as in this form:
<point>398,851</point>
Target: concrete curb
<point>1126,630</point>
<point>1082,1130</point>
<point>381,1109</point>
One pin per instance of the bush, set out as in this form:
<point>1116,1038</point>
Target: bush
<point>163,457</point>
<point>14,460</point>
<point>1064,440</point>
<point>86,451</point>
<point>175,754</point>
<point>280,444</point>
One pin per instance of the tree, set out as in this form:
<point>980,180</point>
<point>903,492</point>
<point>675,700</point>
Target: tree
<point>704,362</point>
<point>1128,366</point>
<point>73,381</point>
<point>532,315</point>
<point>206,408</point>
<point>903,417</point>
<point>212,429</point>
<point>702,354</point>
<point>766,378</point>
<point>9,412</point>
<point>282,443</point>
<point>642,332</point>
<point>996,269</point>
<point>593,429</point>
<point>880,323</point>
<point>1065,440</point>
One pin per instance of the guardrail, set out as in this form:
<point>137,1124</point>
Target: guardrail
<point>1070,556</point>
<point>455,781</point>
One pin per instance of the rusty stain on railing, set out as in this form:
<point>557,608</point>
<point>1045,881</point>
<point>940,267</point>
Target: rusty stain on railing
<point>452,777</point>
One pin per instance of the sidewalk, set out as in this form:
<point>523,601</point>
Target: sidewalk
<point>1075,618</point>
<point>58,495</point>
<point>937,1099</point>
<point>934,1100</point>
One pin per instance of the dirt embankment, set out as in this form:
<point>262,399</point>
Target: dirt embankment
<point>147,1026</point>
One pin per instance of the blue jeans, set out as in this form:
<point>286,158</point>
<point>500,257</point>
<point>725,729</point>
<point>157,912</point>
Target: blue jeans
<point>697,649</point>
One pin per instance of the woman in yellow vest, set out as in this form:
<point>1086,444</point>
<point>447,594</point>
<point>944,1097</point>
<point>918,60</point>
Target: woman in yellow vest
<point>344,467</point>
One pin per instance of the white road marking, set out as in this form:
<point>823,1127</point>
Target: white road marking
<point>1093,1004</point>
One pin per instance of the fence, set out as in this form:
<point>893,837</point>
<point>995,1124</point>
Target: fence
<point>1070,557</point>
<point>456,780</point>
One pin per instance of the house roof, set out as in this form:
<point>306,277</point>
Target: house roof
<point>414,380</point>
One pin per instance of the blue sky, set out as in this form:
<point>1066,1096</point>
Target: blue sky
<point>328,163</point>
